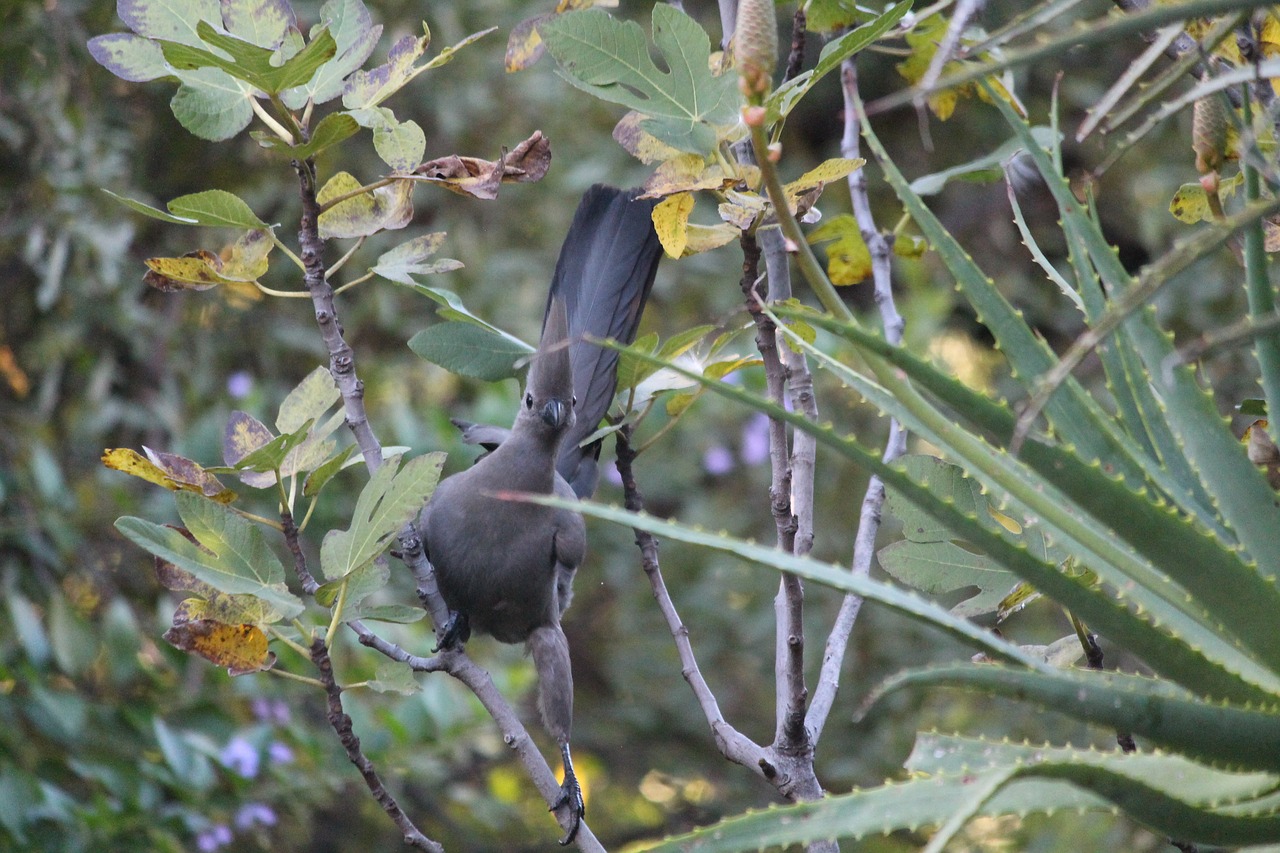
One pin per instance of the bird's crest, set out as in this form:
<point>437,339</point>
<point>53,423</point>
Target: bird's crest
<point>551,374</point>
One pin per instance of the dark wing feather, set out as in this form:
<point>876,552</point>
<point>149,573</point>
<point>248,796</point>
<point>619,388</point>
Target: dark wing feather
<point>605,272</point>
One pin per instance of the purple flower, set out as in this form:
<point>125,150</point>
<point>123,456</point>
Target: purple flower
<point>717,461</point>
<point>209,840</point>
<point>252,814</point>
<point>611,473</point>
<point>755,439</point>
<point>239,384</point>
<point>240,757</point>
<point>279,753</point>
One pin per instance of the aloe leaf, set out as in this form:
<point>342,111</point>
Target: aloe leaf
<point>1074,413</point>
<point>1195,635</point>
<point>1225,590</point>
<point>829,574</point>
<point>1166,792</point>
<point>1232,735</point>
<point>1242,495</point>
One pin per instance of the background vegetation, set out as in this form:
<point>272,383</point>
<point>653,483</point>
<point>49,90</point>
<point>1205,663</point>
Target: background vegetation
<point>111,739</point>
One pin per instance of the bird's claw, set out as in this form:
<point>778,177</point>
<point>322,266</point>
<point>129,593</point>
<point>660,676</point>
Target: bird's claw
<point>456,632</point>
<point>571,796</point>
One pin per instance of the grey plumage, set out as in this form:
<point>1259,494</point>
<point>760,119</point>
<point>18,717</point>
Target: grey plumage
<point>506,568</point>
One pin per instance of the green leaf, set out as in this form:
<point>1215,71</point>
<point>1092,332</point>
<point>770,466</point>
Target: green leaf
<point>632,370</point>
<point>684,106</point>
<point>234,558</point>
<point>317,479</point>
<point>217,208</point>
<point>211,104</point>
<point>271,456</point>
<point>355,36</point>
<point>265,23</point>
<point>394,677</point>
<point>469,350</point>
<point>783,99</point>
<point>984,169</point>
<point>370,88</point>
<point>175,20</point>
<point>409,259</point>
<point>129,57</point>
<point>154,213</point>
<point>400,144</point>
<point>331,130</point>
<point>249,62</point>
<point>930,559</point>
<point>310,399</point>
<point>392,497</point>
<point>1231,735</point>
<point>354,588</point>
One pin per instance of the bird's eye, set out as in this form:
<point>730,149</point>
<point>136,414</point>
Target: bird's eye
<point>575,399</point>
<point>528,401</point>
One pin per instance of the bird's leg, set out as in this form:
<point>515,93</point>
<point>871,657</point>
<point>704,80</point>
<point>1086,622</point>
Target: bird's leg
<point>456,632</point>
<point>571,796</point>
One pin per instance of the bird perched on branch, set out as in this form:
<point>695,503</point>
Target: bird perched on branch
<point>505,567</point>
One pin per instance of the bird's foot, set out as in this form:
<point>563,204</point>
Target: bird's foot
<point>571,796</point>
<point>456,632</point>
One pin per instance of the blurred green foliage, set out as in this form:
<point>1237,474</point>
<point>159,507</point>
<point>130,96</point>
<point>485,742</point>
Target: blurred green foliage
<point>113,740</point>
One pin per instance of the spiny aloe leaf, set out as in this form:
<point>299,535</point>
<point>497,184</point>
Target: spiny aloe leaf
<point>1246,501</point>
<point>1180,656</point>
<point>1231,735</point>
<point>1076,416</point>
<point>610,59</point>
<point>1233,593</point>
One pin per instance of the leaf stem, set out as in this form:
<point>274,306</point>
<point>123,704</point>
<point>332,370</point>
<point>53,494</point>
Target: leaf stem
<point>276,127</point>
<point>805,259</point>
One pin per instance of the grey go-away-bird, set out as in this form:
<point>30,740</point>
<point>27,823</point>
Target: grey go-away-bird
<point>506,567</point>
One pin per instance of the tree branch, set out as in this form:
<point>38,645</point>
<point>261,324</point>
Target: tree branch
<point>341,724</point>
<point>873,500</point>
<point>732,744</point>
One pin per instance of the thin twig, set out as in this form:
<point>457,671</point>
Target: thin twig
<point>341,724</point>
<point>732,744</point>
<point>873,500</point>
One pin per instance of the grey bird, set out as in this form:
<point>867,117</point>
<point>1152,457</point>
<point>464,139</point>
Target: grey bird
<point>506,568</point>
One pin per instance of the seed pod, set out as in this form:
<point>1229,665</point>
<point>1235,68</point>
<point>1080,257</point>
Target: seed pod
<point>1209,125</point>
<point>756,47</point>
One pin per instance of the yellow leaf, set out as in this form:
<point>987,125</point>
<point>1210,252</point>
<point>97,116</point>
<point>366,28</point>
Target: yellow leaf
<point>169,470</point>
<point>641,144</point>
<point>240,648</point>
<point>198,270</point>
<point>704,238</point>
<point>247,258</point>
<point>685,173</point>
<point>525,47</point>
<point>671,221</point>
<point>1005,521</point>
<point>384,209</point>
<point>741,209</point>
<point>1191,204</point>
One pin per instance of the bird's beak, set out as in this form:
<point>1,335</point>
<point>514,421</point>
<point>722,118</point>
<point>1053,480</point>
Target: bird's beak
<point>555,413</point>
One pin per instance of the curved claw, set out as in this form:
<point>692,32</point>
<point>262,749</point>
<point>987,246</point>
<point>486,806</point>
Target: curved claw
<point>571,796</point>
<point>456,632</point>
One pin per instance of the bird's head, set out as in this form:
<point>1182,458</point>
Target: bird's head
<point>548,397</point>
